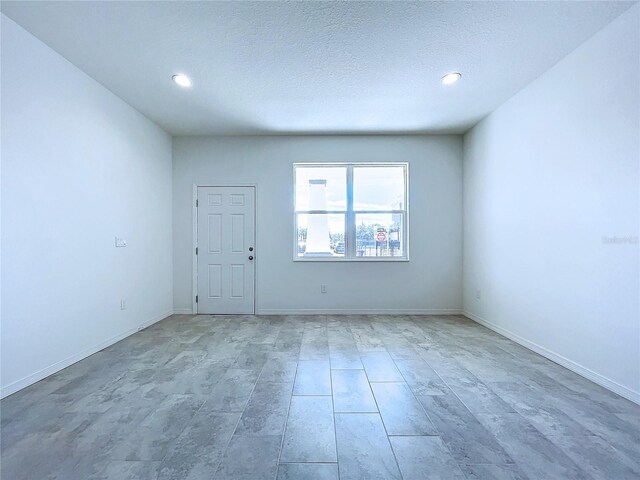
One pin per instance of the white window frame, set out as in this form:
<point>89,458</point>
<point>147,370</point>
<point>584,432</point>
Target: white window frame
<point>349,213</point>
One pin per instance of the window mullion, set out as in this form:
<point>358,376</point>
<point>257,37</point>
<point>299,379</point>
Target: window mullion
<point>350,217</point>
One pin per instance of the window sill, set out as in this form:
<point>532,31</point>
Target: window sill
<point>362,259</point>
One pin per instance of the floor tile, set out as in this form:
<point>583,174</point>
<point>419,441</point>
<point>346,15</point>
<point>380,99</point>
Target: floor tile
<point>314,344</point>
<point>351,391</point>
<point>422,379</point>
<point>476,395</point>
<point>310,432</point>
<point>250,458</point>
<point>538,409</point>
<point>467,439</point>
<point>422,458</point>
<point>200,448</point>
<point>153,437</point>
<point>252,357</point>
<point>596,457</point>
<point>401,413</point>
<point>128,470</point>
<point>279,369</point>
<point>537,456</point>
<point>288,341</point>
<point>364,451</point>
<point>345,358</point>
<point>493,472</point>
<point>232,392</point>
<point>308,471</point>
<point>312,378</point>
<point>266,411</point>
<point>619,430</point>
<point>380,367</point>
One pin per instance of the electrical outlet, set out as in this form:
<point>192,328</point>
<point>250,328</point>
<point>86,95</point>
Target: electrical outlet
<point>323,288</point>
<point>123,304</point>
<point>478,294</point>
<point>121,242</point>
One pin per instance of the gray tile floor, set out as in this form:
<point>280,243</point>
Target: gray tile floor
<point>318,397</point>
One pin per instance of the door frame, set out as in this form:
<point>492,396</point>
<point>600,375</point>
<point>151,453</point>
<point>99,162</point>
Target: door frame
<point>194,238</point>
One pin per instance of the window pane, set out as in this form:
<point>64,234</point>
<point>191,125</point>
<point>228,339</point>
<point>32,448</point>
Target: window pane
<point>321,188</point>
<point>321,235</point>
<point>378,188</point>
<point>379,235</point>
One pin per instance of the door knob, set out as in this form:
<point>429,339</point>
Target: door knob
<point>251,249</point>
<point>250,257</point>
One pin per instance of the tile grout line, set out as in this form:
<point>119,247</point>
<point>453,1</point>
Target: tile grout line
<point>333,408</point>
<point>425,410</point>
<point>380,414</point>
<point>191,420</point>
<point>286,420</point>
<point>240,416</point>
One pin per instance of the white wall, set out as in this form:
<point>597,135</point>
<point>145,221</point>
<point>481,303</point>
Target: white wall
<point>79,167</point>
<point>430,282</point>
<point>546,177</point>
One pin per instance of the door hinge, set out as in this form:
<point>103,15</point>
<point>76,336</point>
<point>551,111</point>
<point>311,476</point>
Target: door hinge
<point>196,298</point>
<point>196,203</point>
<point>196,250</point>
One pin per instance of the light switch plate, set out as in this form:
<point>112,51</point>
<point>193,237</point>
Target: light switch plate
<point>121,242</point>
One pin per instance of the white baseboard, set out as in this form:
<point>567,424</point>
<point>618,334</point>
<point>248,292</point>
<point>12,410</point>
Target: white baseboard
<point>62,364</point>
<point>560,360</point>
<point>182,311</point>
<point>359,311</point>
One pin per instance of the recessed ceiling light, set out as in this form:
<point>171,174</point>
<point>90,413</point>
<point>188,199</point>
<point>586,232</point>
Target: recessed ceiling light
<point>182,80</point>
<point>450,78</point>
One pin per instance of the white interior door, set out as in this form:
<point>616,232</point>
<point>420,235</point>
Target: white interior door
<point>226,250</point>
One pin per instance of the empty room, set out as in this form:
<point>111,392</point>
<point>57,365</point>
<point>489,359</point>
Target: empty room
<point>306,240</point>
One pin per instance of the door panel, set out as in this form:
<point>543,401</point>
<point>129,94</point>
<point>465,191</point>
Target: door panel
<point>214,281</point>
<point>226,231</point>
<point>237,233</point>
<point>237,281</point>
<point>215,233</point>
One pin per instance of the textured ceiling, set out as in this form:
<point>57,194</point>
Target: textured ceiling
<point>314,67</point>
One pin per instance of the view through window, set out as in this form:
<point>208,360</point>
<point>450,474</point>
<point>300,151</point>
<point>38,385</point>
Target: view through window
<point>353,211</point>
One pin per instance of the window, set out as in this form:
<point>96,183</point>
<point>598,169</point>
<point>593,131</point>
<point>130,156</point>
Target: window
<point>351,211</point>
